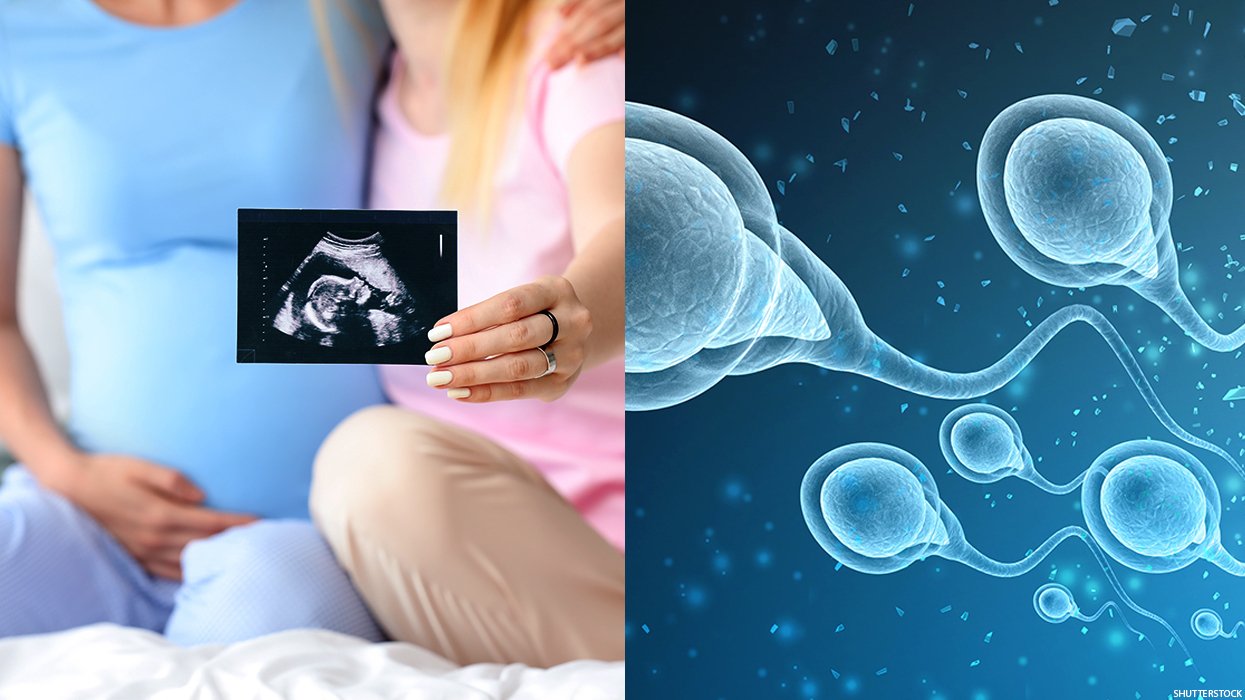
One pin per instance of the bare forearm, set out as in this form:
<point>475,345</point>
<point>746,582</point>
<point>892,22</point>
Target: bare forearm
<point>598,275</point>
<point>26,423</point>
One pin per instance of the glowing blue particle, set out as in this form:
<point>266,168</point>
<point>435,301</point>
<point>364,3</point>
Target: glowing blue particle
<point>1239,392</point>
<point>1123,27</point>
<point>832,47</point>
<point>1197,95</point>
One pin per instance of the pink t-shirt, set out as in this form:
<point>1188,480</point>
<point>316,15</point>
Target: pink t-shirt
<point>577,442</point>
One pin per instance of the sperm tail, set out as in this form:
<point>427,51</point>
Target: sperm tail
<point>1109,605</point>
<point>892,367</point>
<point>1119,591</point>
<point>1177,305</point>
<point>1228,563</point>
<point>970,556</point>
<point>1057,489</point>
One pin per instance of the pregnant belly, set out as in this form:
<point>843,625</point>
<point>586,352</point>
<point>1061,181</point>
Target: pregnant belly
<point>153,346</point>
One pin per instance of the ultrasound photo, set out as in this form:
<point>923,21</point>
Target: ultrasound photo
<point>341,286</point>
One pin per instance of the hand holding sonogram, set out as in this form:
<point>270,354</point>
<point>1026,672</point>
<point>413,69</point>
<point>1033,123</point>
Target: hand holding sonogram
<point>346,294</point>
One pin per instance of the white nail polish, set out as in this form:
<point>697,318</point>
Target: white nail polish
<point>436,356</point>
<point>441,332</point>
<point>439,378</point>
<point>458,393</point>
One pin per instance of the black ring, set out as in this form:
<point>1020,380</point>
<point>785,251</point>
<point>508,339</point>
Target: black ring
<point>554,320</point>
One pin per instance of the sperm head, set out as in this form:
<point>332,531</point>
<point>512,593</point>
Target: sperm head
<point>1053,602</point>
<point>1206,623</point>
<point>984,442</point>
<point>684,254</point>
<point>1080,193</point>
<point>1154,505</point>
<point>876,507</point>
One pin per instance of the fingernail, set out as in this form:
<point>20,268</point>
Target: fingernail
<point>439,333</point>
<point>439,378</point>
<point>458,393</point>
<point>436,356</point>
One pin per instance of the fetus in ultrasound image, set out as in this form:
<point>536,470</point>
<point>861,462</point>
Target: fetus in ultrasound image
<point>347,294</point>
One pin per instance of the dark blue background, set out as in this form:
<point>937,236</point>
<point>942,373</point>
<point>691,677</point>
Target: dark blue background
<point>718,552</point>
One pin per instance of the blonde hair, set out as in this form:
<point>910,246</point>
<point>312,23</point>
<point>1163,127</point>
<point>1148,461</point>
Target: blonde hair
<point>488,49</point>
<point>324,29</point>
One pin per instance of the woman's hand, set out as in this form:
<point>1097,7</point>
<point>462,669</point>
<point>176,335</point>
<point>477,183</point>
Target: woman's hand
<point>151,510</point>
<point>591,29</point>
<point>493,351</point>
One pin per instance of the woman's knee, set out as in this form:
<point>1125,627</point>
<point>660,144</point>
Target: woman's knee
<point>384,470</point>
<point>262,578</point>
<point>267,548</point>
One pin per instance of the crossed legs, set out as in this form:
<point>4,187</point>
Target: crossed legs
<point>459,546</point>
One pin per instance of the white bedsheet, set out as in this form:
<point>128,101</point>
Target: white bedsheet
<point>111,662</point>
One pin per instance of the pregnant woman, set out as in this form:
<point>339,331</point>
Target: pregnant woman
<point>479,527</point>
<point>177,501</point>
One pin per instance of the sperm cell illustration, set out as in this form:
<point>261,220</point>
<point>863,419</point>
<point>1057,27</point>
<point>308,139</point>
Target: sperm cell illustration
<point>1054,603</point>
<point>1078,194</point>
<point>875,508</point>
<point>716,287</point>
<point>1155,508</point>
<point>1207,624</point>
<point>983,444</point>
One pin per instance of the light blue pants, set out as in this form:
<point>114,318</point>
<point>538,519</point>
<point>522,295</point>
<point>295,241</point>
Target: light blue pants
<point>60,569</point>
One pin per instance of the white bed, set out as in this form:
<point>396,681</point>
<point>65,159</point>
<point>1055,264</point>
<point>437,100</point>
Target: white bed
<point>107,662</point>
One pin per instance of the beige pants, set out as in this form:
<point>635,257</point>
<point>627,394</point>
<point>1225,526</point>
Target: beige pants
<point>459,546</point>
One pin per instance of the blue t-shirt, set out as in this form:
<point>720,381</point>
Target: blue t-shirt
<point>139,145</point>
